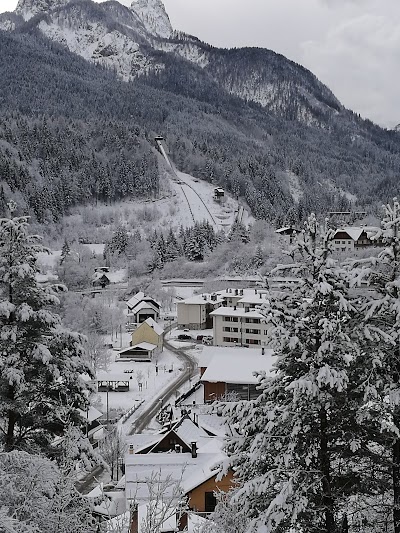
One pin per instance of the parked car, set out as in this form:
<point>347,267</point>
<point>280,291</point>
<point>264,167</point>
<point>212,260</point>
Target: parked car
<point>199,338</point>
<point>184,337</point>
<point>207,340</point>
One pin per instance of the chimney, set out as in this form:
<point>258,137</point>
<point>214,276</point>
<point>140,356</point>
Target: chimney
<point>131,452</point>
<point>194,449</point>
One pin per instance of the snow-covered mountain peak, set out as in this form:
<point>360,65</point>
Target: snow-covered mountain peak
<point>154,17</point>
<point>30,8</point>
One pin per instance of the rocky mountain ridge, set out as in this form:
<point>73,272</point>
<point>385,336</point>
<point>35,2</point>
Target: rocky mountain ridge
<point>247,119</point>
<point>128,41</point>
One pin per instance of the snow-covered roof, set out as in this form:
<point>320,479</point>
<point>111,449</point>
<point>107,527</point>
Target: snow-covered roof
<point>112,376</point>
<point>248,292</point>
<point>118,276</point>
<point>259,298</point>
<point>148,346</point>
<point>181,468</point>
<point>189,432</point>
<point>91,414</point>
<point>138,297</point>
<point>143,305</point>
<point>208,353</point>
<point>153,324</point>
<point>239,312</point>
<point>355,232</point>
<point>100,274</point>
<point>202,299</point>
<point>233,366</point>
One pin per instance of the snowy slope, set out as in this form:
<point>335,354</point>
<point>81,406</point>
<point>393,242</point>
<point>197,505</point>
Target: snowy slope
<point>154,17</point>
<point>30,8</point>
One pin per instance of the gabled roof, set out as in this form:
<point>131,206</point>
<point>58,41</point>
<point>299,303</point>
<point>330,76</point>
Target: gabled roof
<point>138,298</point>
<point>91,414</point>
<point>132,302</point>
<point>182,468</point>
<point>184,428</point>
<point>355,232</point>
<point>153,324</point>
<point>144,304</point>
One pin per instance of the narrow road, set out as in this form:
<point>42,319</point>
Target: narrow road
<point>152,407</point>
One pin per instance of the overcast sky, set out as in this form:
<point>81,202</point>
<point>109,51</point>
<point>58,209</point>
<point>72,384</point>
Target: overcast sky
<point>353,46</point>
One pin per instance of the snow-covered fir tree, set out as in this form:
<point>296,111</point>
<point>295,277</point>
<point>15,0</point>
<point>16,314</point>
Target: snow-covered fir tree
<point>41,365</point>
<point>380,373</point>
<point>294,449</point>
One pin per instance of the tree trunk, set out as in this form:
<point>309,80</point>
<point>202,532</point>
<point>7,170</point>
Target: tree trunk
<point>325,466</point>
<point>345,525</point>
<point>396,476</point>
<point>12,419</point>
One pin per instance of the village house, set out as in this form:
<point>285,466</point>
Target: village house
<point>102,277</point>
<point>352,238</point>
<point>143,351</point>
<point>146,342</point>
<point>184,460</point>
<point>194,312</point>
<point>140,308</point>
<point>225,371</point>
<point>148,331</point>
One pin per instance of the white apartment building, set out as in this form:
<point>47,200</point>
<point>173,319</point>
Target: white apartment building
<point>238,326</point>
<point>194,313</point>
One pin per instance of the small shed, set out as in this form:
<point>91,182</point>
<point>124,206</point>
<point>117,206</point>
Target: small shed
<point>219,194</point>
<point>143,351</point>
<point>112,383</point>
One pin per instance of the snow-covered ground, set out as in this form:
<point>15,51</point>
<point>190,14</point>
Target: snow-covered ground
<point>155,377</point>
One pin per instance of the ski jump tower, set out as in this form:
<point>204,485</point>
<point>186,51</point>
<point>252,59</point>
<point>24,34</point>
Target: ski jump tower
<point>162,147</point>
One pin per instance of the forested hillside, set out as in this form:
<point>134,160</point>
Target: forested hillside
<point>73,133</point>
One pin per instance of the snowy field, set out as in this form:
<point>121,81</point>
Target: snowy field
<point>152,382</point>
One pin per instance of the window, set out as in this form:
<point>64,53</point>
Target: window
<point>229,329</point>
<point>210,502</point>
<point>252,321</point>
<point>230,318</point>
<point>253,341</point>
<point>253,331</point>
<point>231,339</point>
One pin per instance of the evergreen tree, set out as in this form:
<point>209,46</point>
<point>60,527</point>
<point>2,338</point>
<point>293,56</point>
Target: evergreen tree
<point>119,241</point>
<point>381,369</point>
<point>239,232</point>
<point>295,446</point>
<point>3,202</point>
<point>41,363</point>
<point>172,248</point>
<point>65,251</point>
